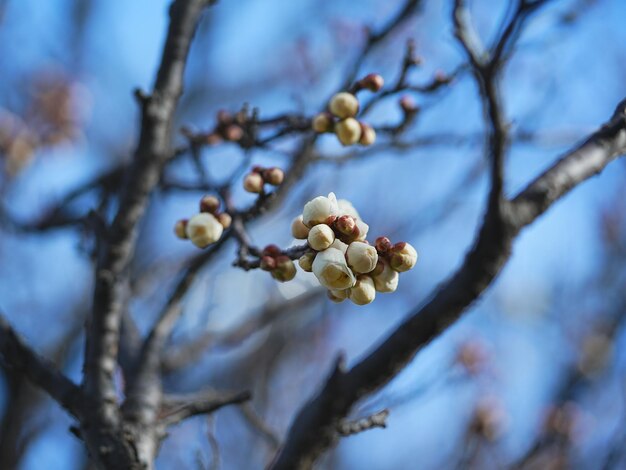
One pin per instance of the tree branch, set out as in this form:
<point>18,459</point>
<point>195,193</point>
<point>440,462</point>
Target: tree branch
<point>377,420</point>
<point>179,408</point>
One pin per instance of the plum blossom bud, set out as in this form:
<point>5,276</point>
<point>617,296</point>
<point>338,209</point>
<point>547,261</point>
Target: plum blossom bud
<point>368,134</point>
<point>320,237</point>
<point>204,229</point>
<point>209,204</point>
<point>233,133</point>
<point>306,261</point>
<point>363,292</point>
<point>372,82</point>
<point>298,229</point>
<point>383,244</point>
<point>285,269</point>
<point>225,219</point>
<point>323,122</point>
<point>338,296</point>
<point>346,225</point>
<point>267,263</point>
<point>271,250</point>
<point>346,208</point>
<point>344,105</point>
<point>386,280</point>
<point>332,271</point>
<point>408,104</point>
<point>318,210</point>
<point>348,131</point>
<point>273,176</point>
<point>403,257</point>
<point>361,257</point>
<point>180,229</point>
<point>339,245</point>
<point>253,183</point>
<point>363,229</point>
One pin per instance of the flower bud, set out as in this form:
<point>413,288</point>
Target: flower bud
<point>225,219</point>
<point>323,122</point>
<point>344,105</point>
<point>387,280</point>
<point>346,224</point>
<point>408,104</point>
<point>403,257</point>
<point>271,250</point>
<point>372,82</point>
<point>234,133</point>
<point>209,204</point>
<point>339,245</point>
<point>306,261</point>
<point>348,131</point>
<point>363,229</point>
<point>180,229</point>
<point>320,237</point>
<point>273,176</point>
<point>285,269</point>
<point>338,296</point>
<point>267,263</point>
<point>224,117</point>
<point>318,210</point>
<point>204,229</point>
<point>368,134</point>
<point>298,229</point>
<point>383,244</point>
<point>361,257</point>
<point>253,183</point>
<point>346,208</point>
<point>332,271</point>
<point>363,292</point>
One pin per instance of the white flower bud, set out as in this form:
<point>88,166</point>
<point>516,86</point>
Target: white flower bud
<point>339,245</point>
<point>344,105</point>
<point>204,229</point>
<point>318,210</point>
<point>320,237</point>
<point>306,261</point>
<point>348,131</point>
<point>361,257</point>
<point>338,296</point>
<point>387,280</point>
<point>298,229</point>
<point>346,208</point>
<point>363,292</point>
<point>332,271</point>
<point>363,229</point>
<point>403,257</point>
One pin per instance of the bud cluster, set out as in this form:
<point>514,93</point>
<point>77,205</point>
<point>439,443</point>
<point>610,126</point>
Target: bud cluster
<point>206,227</point>
<point>259,177</point>
<point>341,257</point>
<point>342,110</point>
<point>279,265</point>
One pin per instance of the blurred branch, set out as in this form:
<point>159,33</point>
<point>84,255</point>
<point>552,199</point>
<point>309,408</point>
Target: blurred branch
<point>178,408</point>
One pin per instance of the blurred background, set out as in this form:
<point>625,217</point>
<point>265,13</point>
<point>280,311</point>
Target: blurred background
<point>531,377</point>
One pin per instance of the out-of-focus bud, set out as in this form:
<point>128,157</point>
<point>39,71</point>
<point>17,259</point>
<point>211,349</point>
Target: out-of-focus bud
<point>318,210</point>
<point>372,82</point>
<point>273,176</point>
<point>403,257</point>
<point>563,420</point>
<point>298,229</point>
<point>348,131</point>
<point>285,269</point>
<point>306,261</point>
<point>338,296</point>
<point>408,104</point>
<point>368,134</point>
<point>212,139</point>
<point>209,204</point>
<point>234,133</point>
<point>271,250</point>
<point>204,229</point>
<point>268,263</point>
<point>472,356</point>
<point>225,219</point>
<point>489,419</point>
<point>320,237</point>
<point>332,271</point>
<point>253,183</point>
<point>442,77</point>
<point>323,122</point>
<point>383,244</point>
<point>224,117</point>
<point>344,105</point>
<point>361,257</point>
<point>387,280</point>
<point>180,229</point>
<point>346,208</point>
<point>363,292</point>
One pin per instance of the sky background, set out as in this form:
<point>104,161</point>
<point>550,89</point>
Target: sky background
<point>564,80</point>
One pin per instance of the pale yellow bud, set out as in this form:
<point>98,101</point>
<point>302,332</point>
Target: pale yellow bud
<point>273,176</point>
<point>320,237</point>
<point>348,131</point>
<point>361,257</point>
<point>323,122</point>
<point>298,229</point>
<point>338,296</point>
<point>387,280</point>
<point>306,261</point>
<point>204,229</point>
<point>332,271</point>
<point>318,210</point>
<point>225,219</point>
<point>253,183</point>
<point>285,269</point>
<point>180,229</point>
<point>363,229</point>
<point>363,292</point>
<point>403,257</point>
<point>368,134</point>
<point>344,105</point>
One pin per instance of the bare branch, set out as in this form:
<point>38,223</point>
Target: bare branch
<point>179,408</point>
<point>377,420</point>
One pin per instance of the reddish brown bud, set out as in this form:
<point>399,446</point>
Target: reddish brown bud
<point>224,117</point>
<point>383,244</point>
<point>441,77</point>
<point>180,229</point>
<point>209,204</point>
<point>268,263</point>
<point>398,246</point>
<point>271,250</point>
<point>368,134</point>
<point>408,104</point>
<point>257,169</point>
<point>345,224</point>
<point>253,183</point>
<point>273,176</point>
<point>212,139</point>
<point>233,133</point>
<point>372,82</point>
<point>224,219</point>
